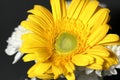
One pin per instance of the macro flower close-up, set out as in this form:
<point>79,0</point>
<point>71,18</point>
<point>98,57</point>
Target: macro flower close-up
<point>69,39</point>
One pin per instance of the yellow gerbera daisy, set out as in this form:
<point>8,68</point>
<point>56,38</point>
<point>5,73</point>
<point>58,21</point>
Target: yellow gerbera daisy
<point>68,37</point>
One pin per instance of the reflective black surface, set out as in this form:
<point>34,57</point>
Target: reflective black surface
<point>12,12</point>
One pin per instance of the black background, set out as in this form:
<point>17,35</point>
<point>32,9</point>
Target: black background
<point>12,12</point>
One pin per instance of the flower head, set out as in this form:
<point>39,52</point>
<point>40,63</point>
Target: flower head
<point>68,37</point>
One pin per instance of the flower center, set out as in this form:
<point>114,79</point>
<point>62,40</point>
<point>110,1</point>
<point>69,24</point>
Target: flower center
<point>65,42</point>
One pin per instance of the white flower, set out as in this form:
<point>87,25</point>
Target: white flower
<point>116,50</point>
<point>14,43</point>
<point>112,71</point>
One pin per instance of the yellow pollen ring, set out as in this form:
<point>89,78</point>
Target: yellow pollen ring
<point>65,42</point>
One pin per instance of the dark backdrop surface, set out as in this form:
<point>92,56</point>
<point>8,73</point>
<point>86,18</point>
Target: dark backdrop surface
<point>12,12</point>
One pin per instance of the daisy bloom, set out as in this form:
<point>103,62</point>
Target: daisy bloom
<point>68,38</point>
<point>14,43</point>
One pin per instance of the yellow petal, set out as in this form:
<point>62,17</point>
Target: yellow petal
<point>33,50</point>
<point>95,67</point>
<point>103,63</point>
<point>99,51</point>
<point>43,13</point>
<point>70,76</point>
<point>56,71</point>
<point>39,22</point>
<point>31,41</point>
<point>32,27</point>
<point>45,76</point>
<point>112,43</point>
<point>100,17</point>
<point>58,9</point>
<point>109,38</point>
<point>40,55</point>
<point>38,68</point>
<point>98,34</point>
<point>70,67</point>
<point>29,57</point>
<point>75,8</point>
<point>88,11</point>
<point>97,59</point>
<point>98,62</point>
<point>82,60</point>
<point>110,61</point>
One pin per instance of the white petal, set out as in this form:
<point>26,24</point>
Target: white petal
<point>10,50</point>
<point>88,71</point>
<point>114,48</point>
<point>113,71</point>
<point>118,52</point>
<point>98,72</point>
<point>118,48</point>
<point>33,79</point>
<point>118,66</point>
<point>17,57</point>
<point>102,5</point>
<point>109,47</point>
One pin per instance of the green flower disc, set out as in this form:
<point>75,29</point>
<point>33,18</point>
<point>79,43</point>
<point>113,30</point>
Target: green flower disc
<point>65,42</point>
